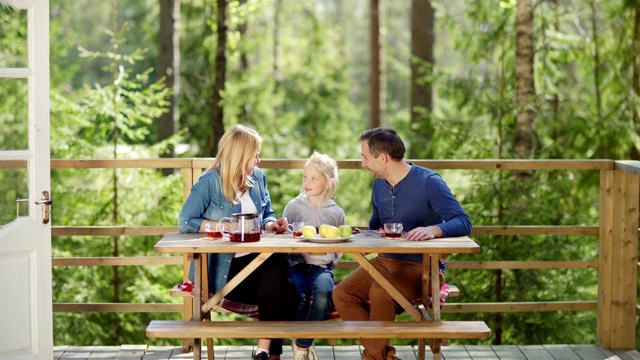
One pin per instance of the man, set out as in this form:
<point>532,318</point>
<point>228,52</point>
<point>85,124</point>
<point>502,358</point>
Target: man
<point>403,193</point>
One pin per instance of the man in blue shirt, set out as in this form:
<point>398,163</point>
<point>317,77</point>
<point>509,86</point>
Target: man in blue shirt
<point>403,193</point>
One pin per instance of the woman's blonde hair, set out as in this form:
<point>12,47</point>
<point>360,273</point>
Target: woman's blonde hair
<point>238,147</point>
<point>329,168</point>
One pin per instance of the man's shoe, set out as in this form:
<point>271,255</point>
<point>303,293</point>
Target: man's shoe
<point>391,353</point>
<point>260,356</point>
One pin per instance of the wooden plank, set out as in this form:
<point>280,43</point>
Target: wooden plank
<point>118,261</point>
<point>347,352</point>
<point>534,230</point>
<point>519,306</point>
<point>562,352</point>
<point>159,352</point>
<point>511,352</point>
<point>116,307</point>
<point>481,352</point>
<point>626,268</point>
<point>455,352</point>
<point>58,351</point>
<point>158,163</point>
<point>535,352</point>
<point>278,243</point>
<point>495,265</point>
<point>624,256</point>
<point>628,166</point>
<point>236,352</point>
<point>77,352</point>
<point>320,329</point>
<point>15,72</point>
<point>403,352</point>
<point>111,230</point>
<point>131,352</point>
<point>588,352</point>
<point>605,264</point>
<point>627,354</point>
<point>104,352</point>
<point>187,185</point>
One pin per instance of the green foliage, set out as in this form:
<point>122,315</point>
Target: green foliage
<point>111,120</point>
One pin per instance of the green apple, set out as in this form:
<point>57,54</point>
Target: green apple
<point>322,229</point>
<point>309,231</point>
<point>331,232</point>
<point>345,231</point>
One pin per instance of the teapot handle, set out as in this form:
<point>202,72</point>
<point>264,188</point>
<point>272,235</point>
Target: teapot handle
<point>222,228</point>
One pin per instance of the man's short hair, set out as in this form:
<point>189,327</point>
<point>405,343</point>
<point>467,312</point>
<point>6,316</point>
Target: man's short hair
<point>384,140</point>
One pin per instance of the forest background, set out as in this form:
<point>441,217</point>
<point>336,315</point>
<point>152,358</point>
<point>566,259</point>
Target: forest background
<point>299,72</point>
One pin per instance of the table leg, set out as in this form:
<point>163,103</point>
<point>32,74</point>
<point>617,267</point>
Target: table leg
<point>435,286</point>
<point>426,275</point>
<point>197,303</point>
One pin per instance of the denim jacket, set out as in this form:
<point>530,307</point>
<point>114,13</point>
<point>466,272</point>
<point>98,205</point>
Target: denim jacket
<point>207,201</point>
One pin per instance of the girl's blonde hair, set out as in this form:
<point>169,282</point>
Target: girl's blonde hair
<point>238,147</point>
<point>329,168</point>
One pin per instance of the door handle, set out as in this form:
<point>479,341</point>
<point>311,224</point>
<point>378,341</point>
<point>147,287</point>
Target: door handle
<point>46,209</point>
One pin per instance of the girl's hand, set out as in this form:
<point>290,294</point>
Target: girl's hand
<point>279,226</point>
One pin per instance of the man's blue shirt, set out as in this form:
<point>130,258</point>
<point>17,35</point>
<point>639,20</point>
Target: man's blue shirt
<point>420,199</point>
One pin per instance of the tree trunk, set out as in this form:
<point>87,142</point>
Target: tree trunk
<point>422,42</point>
<point>217,110</point>
<point>604,137</point>
<point>524,143</point>
<point>377,80</point>
<point>245,111</point>
<point>169,68</point>
<point>277,56</point>
<point>635,152</point>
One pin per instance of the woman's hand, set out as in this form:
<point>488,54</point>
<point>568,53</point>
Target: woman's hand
<point>279,226</point>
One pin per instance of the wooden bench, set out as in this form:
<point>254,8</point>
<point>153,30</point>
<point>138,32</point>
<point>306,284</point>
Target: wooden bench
<point>434,331</point>
<point>320,329</point>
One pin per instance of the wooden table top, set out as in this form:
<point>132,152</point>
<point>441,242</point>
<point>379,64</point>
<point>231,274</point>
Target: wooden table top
<point>286,243</point>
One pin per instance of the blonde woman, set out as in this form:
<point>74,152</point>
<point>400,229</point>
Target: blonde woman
<point>313,273</point>
<point>234,184</point>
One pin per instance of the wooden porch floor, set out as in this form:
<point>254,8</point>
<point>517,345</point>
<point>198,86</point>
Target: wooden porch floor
<point>457,352</point>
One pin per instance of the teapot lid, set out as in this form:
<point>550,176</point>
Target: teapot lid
<point>244,215</point>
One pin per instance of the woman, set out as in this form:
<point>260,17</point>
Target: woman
<point>233,184</point>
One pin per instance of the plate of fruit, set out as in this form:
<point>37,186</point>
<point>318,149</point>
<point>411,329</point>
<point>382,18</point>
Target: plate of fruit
<point>327,233</point>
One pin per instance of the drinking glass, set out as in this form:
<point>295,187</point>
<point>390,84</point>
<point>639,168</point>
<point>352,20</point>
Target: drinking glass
<point>296,228</point>
<point>392,230</point>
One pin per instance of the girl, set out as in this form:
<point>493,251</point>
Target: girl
<point>313,273</point>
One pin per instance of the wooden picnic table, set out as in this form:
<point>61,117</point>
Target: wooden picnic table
<point>359,245</point>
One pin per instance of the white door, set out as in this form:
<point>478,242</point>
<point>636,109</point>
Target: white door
<point>26,330</point>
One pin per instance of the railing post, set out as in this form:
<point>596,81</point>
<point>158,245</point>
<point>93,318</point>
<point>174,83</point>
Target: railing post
<point>618,257</point>
<point>187,304</point>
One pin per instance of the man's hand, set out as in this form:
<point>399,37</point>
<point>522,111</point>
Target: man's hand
<point>424,233</point>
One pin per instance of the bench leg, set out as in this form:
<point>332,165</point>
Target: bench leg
<point>197,349</point>
<point>421,349</point>
<point>210,354</point>
<point>436,349</point>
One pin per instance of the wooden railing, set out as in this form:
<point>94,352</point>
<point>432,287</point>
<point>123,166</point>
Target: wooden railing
<point>617,230</point>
